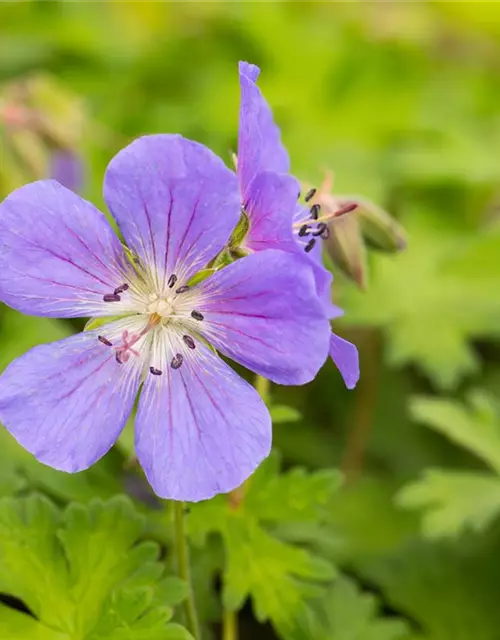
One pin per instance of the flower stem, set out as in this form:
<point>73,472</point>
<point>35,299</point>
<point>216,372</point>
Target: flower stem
<point>354,454</point>
<point>262,386</point>
<point>230,625</point>
<point>181,552</point>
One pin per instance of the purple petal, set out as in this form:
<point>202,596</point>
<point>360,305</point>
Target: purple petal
<point>263,312</point>
<point>259,139</point>
<point>200,429</point>
<point>59,256</point>
<point>67,168</point>
<point>271,202</point>
<point>346,357</point>
<point>175,202</point>
<point>67,402</point>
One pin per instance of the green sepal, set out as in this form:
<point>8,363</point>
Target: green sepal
<point>95,323</point>
<point>240,232</point>
<point>202,275</point>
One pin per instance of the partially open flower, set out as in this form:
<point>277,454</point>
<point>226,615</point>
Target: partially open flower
<point>269,196</point>
<point>200,428</point>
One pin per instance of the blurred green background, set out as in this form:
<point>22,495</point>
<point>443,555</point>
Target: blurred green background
<point>402,101</point>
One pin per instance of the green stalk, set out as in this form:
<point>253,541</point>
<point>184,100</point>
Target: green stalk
<point>181,552</point>
<point>230,625</point>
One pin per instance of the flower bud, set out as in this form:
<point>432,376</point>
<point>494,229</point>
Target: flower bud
<point>380,230</point>
<point>346,248</point>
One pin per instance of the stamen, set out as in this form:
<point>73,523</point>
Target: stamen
<point>155,372</point>
<point>347,208</point>
<point>182,289</point>
<point>189,341</point>
<point>304,230</point>
<point>314,211</point>
<point>105,341</point>
<point>111,297</point>
<point>197,315</point>
<point>121,288</point>
<point>320,229</point>
<point>310,245</point>
<point>177,361</point>
<point>309,195</point>
<point>171,281</point>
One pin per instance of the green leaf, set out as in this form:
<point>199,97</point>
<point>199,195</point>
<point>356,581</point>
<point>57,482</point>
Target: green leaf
<point>475,427</point>
<point>420,298</point>
<point>15,625</point>
<point>281,578</point>
<point>453,501</point>
<point>353,615</point>
<point>448,589</point>
<point>282,413</point>
<point>83,573</point>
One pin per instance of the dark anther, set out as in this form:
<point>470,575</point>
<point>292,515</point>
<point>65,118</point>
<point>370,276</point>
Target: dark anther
<point>111,297</point>
<point>177,360</point>
<point>326,233</point>
<point>303,231</point>
<point>320,229</point>
<point>197,315</point>
<point>310,194</point>
<point>314,211</point>
<point>182,289</point>
<point>189,341</point>
<point>105,341</point>
<point>309,246</point>
<point>299,194</point>
<point>154,371</point>
<point>118,358</point>
<point>172,280</point>
<point>121,289</point>
<point>347,208</point>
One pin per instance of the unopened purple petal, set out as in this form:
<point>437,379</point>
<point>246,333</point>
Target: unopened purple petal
<point>67,168</point>
<point>67,402</point>
<point>251,71</point>
<point>175,202</point>
<point>58,254</point>
<point>259,139</point>
<point>346,357</point>
<point>271,202</point>
<point>200,429</point>
<point>263,312</point>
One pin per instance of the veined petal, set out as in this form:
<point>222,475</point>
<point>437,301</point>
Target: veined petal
<point>200,429</point>
<point>263,312</point>
<point>175,202</point>
<point>271,202</point>
<point>67,402</point>
<point>346,357</point>
<point>259,139</point>
<point>58,254</point>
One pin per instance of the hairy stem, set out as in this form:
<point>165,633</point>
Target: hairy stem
<point>181,551</point>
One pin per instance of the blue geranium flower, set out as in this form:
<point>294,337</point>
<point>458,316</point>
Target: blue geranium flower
<point>200,429</point>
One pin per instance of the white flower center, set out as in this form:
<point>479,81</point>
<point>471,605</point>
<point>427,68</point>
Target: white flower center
<point>164,307</point>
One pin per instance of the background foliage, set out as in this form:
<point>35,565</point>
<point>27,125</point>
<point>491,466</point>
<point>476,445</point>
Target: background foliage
<point>401,100</point>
